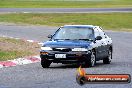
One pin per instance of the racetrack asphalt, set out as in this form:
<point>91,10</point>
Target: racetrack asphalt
<point>64,10</point>
<point>58,75</point>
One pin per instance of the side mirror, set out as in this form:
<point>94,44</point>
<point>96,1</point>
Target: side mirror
<point>98,38</point>
<point>49,36</point>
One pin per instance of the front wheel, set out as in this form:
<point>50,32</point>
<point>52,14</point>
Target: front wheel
<point>45,63</point>
<point>108,59</point>
<point>92,61</point>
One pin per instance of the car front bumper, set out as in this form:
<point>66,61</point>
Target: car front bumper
<point>71,57</point>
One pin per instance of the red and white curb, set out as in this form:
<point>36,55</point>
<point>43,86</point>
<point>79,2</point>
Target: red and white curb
<point>21,61</point>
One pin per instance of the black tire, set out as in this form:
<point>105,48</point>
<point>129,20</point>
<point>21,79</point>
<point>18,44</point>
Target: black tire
<point>92,61</point>
<point>45,63</point>
<point>107,60</point>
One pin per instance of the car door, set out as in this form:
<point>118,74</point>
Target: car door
<point>109,43</point>
<point>98,44</point>
<point>104,46</point>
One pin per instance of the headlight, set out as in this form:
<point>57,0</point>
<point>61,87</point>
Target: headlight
<point>79,49</point>
<point>46,48</point>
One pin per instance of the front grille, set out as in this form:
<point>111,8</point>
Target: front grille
<point>62,49</point>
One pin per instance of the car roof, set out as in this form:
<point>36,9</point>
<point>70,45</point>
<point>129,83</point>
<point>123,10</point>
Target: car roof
<point>86,26</point>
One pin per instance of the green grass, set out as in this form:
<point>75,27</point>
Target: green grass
<point>64,3</point>
<point>112,21</point>
<point>12,49</point>
<point>11,55</point>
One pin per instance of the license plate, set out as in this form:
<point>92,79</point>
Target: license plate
<point>60,55</point>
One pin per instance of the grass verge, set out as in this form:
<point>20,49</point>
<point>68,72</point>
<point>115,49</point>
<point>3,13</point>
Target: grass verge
<point>112,21</point>
<point>64,3</point>
<point>12,49</point>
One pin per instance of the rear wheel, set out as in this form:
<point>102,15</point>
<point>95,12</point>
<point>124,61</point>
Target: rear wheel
<point>108,59</point>
<point>92,61</point>
<point>45,63</point>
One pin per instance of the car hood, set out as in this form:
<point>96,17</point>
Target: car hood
<point>68,43</point>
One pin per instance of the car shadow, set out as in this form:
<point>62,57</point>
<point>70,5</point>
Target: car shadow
<point>64,66</point>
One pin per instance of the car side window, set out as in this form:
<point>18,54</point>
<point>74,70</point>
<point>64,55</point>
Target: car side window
<point>105,35</point>
<point>96,32</point>
<point>102,34</point>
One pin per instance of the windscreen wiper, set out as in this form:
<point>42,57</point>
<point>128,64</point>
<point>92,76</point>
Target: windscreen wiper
<point>86,39</point>
<point>62,39</point>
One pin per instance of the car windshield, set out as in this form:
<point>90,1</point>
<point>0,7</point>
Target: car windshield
<point>74,33</point>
